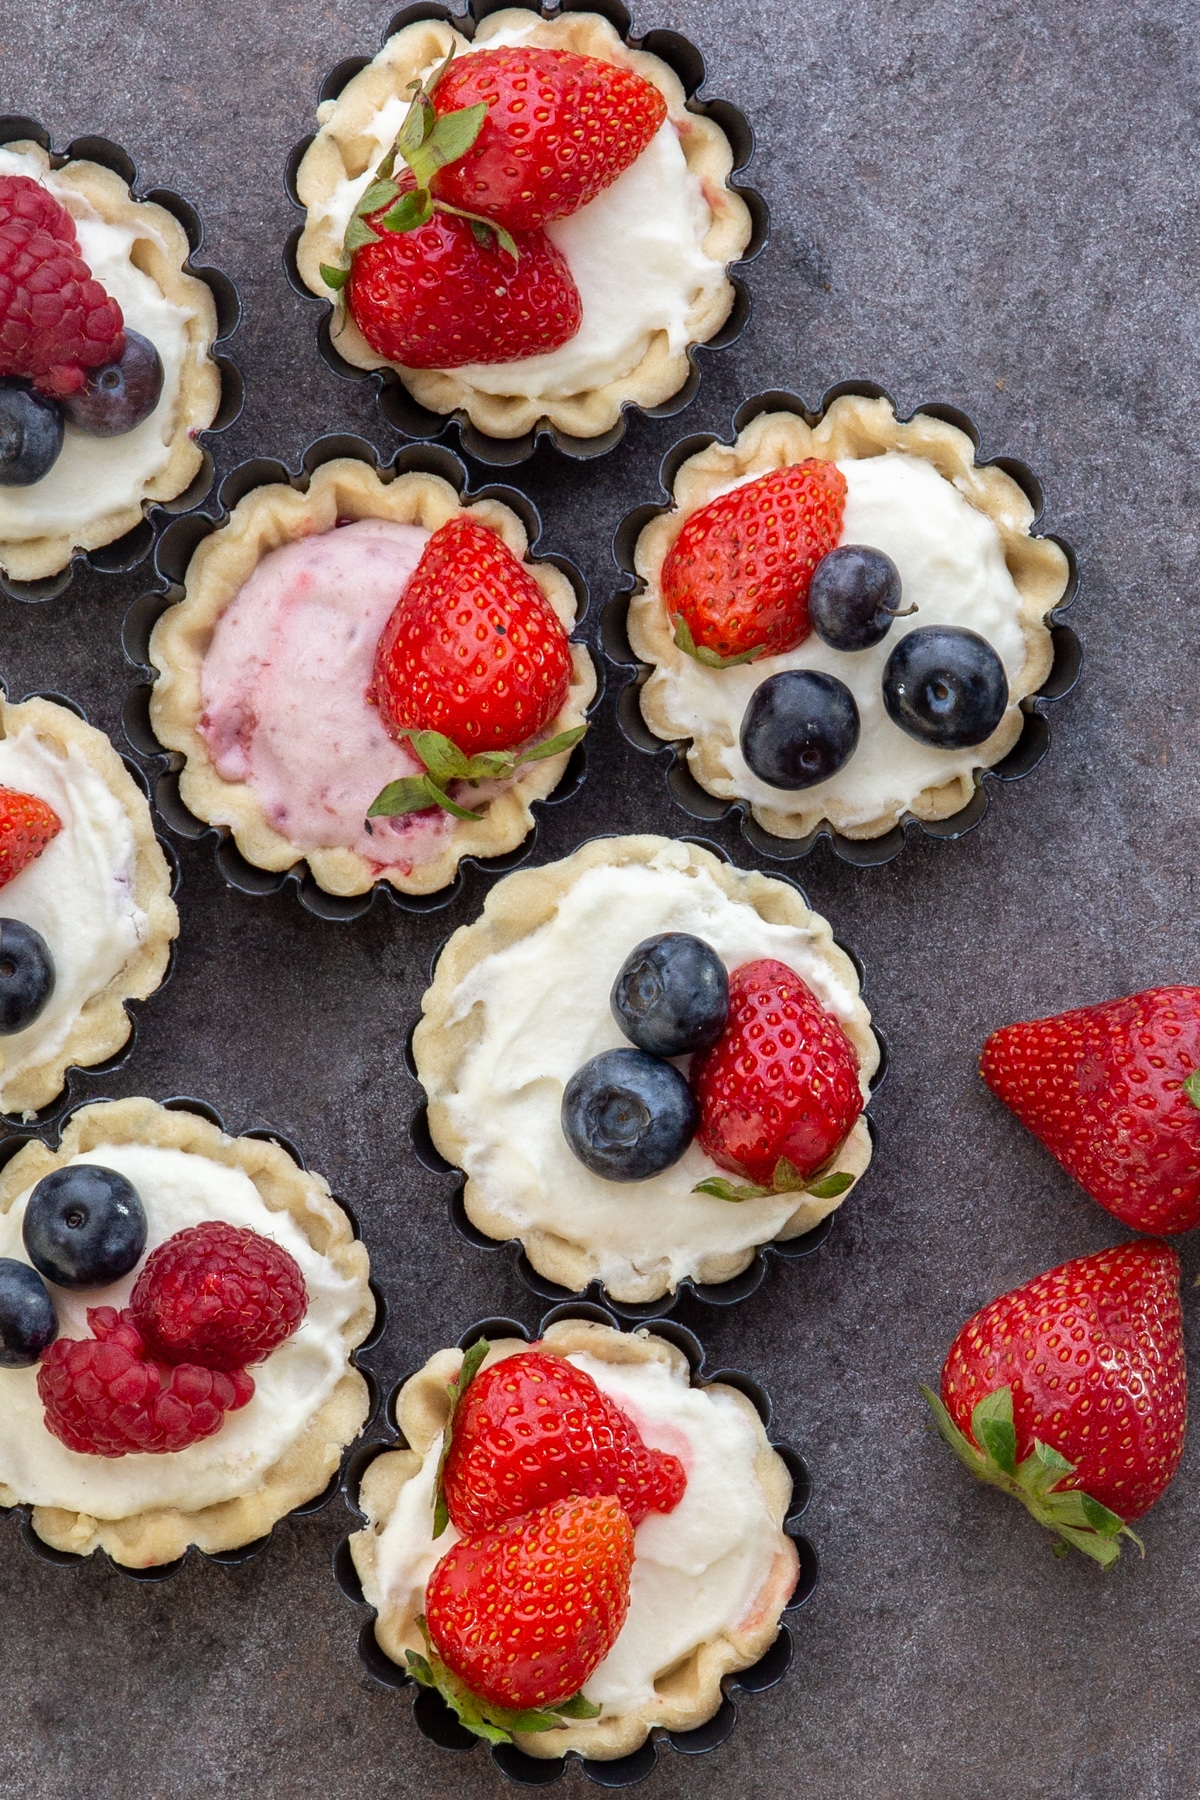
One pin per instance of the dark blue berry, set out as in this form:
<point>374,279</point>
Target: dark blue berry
<point>84,1226</point>
<point>854,596</point>
<point>26,975</point>
<point>672,995</point>
<point>800,727</point>
<point>627,1115</point>
<point>120,395</point>
<point>28,1321</point>
<point>945,686</point>
<point>31,434</point>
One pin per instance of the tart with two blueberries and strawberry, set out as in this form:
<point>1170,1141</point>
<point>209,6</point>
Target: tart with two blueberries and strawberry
<point>106,376</point>
<point>178,1310</point>
<point>528,225</point>
<point>577,1544</point>
<point>843,619</point>
<point>370,676</point>
<point>648,1064</point>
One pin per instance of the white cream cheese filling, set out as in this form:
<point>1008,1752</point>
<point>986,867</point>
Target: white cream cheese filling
<point>178,1189</point>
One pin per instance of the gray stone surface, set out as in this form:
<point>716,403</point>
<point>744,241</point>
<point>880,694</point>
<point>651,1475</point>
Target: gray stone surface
<point>994,206</point>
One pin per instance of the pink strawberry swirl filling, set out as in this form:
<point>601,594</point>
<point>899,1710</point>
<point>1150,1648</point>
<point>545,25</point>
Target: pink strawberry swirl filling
<point>284,690</point>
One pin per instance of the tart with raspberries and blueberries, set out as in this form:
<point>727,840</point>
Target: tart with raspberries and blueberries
<point>648,1064</point>
<point>105,373</point>
<point>370,676</point>
<point>528,225</point>
<point>178,1310</point>
<point>843,619</point>
<point>86,914</point>
<point>642,1516</point>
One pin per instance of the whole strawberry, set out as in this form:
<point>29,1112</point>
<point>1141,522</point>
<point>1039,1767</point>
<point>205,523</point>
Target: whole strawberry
<point>1113,1091</point>
<point>56,321</point>
<point>736,579</point>
<point>218,1294</point>
<point>1070,1393</point>
<point>559,129</point>
<point>27,825</point>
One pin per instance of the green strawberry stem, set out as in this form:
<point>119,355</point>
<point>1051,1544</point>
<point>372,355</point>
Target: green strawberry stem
<point>1191,1087</point>
<point>471,1363</point>
<point>496,1724</point>
<point>786,1179</point>
<point>1078,1521</point>
<point>711,659</point>
<point>444,762</point>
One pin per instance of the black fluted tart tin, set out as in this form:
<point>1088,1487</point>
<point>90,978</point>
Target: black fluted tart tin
<point>722,1293</point>
<point>172,555</point>
<point>396,404</point>
<point>433,1717</point>
<point>687,792</point>
<point>23,1511</point>
<point>126,553</point>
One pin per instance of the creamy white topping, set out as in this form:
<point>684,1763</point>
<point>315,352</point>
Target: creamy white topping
<point>952,567</point>
<point>94,476</point>
<point>79,893</point>
<point>697,1572</point>
<point>179,1188</point>
<point>541,1008</point>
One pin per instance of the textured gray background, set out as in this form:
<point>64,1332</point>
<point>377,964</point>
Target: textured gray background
<point>994,206</point>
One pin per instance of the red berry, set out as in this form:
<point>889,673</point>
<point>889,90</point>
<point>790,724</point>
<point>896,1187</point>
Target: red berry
<point>56,321</point>
<point>559,129</point>
<point>220,1295</point>
<point>740,569</point>
<point>473,649</point>
<point>107,1396</point>
<point>533,1429</point>
<point>27,825</point>
<point>524,1613</point>
<point>1103,1088</point>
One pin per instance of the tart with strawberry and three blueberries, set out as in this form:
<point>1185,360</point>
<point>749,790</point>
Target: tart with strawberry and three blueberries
<point>528,225</point>
<point>370,676</point>
<point>843,619</point>
<point>648,1064</point>
<point>576,1543</point>
<point>178,1310</point>
<point>106,376</point>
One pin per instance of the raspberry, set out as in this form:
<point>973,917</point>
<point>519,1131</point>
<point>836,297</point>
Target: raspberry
<point>56,321</point>
<point>105,1396</point>
<point>220,1295</point>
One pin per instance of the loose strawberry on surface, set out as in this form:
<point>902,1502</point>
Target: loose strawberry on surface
<point>27,825</point>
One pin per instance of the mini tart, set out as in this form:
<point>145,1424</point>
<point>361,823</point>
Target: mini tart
<point>101,1025</point>
<point>345,148</point>
<point>160,250</point>
<point>688,1692</point>
<point>854,427</point>
<point>606,1230</point>
<point>275,515</point>
<point>147,1536</point>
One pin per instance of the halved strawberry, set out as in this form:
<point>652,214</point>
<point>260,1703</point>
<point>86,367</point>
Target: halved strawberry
<point>27,825</point>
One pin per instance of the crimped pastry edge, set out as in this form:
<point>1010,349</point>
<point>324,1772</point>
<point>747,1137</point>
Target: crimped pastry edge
<point>690,1693</point>
<point>337,152</point>
<point>853,426</point>
<point>161,251</point>
<point>517,906</point>
<point>277,514</point>
<point>103,1024</point>
<point>161,1534</point>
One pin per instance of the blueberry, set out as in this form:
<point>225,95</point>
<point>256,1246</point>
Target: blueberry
<point>627,1115</point>
<point>84,1226</point>
<point>672,995</point>
<point>945,686</point>
<point>26,975</point>
<point>28,1321</point>
<point>120,395</point>
<point>31,434</point>
<point>854,596</point>
<point>800,727</point>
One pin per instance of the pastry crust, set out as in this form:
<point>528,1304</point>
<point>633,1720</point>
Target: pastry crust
<point>161,251</point>
<point>161,1534</point>
<point>517,906</point>
<point>853,427</point>
<point>343,148</point>
<point>687,1695</point>
<point>103,1024</point>
<point>277,514</point>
